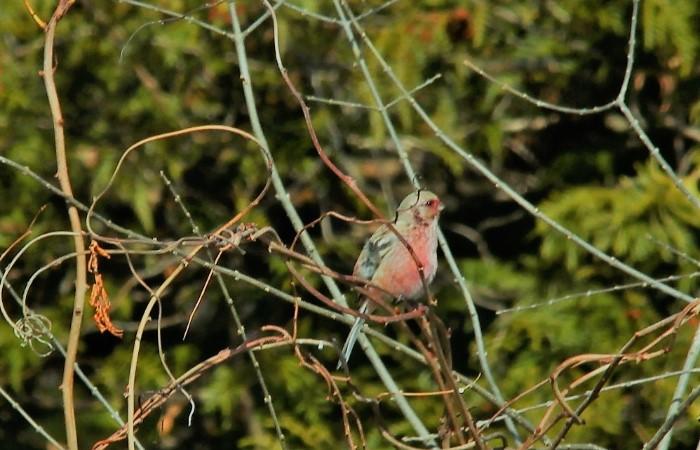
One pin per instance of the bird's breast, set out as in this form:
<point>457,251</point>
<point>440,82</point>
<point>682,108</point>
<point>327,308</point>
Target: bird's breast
<point>399,274</point>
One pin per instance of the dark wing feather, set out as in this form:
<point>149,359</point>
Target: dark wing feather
<point>373,252</point>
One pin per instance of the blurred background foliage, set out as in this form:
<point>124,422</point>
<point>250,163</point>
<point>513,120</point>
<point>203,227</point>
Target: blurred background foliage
<point>123,75</point>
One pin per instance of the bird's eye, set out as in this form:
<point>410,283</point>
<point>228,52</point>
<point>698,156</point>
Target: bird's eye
<point>430,203</point>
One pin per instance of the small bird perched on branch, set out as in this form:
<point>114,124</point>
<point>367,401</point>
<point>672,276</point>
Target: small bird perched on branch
<point>388,264</point>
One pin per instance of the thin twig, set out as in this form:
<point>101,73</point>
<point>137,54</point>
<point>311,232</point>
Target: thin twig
<point>239,276</point>
<point>507,189</point>
<point>55,343</point>
<point>345,14</point>
<point>38,428</point>
<point>240,329</point>
<point>675,406</point>
<point>297,223</point>
<point>671,419</point>
<point>185,262</point>
<point>186,378</point>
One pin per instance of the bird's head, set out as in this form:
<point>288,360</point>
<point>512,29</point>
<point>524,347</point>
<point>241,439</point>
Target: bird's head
<point>419,207</point>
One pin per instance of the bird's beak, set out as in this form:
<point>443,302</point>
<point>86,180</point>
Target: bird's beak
<point>441,207</point>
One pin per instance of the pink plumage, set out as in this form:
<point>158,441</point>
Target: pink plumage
<point>387,263</point>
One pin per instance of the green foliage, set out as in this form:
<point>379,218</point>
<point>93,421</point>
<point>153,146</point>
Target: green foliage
<point>626,220</point>
<point>18,360</point>
<point>124,74</point>
<point>223,380</point>
<point>671,24</point>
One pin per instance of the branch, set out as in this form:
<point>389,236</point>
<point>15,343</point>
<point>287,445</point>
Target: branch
<point>64,180</point>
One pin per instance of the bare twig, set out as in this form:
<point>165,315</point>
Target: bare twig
<point>185,262</point>
<point>64,180</point>
<point>671,419</point>
<point>675,407</point>
<point>186,378</point>
<point>240,329</point>
<point>297,223</point>
<point>349,21</point>
<point>38,428</point>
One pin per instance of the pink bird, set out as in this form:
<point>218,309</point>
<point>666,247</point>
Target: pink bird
<point>387,263</point>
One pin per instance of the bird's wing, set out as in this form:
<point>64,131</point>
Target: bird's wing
<point>374,251</point>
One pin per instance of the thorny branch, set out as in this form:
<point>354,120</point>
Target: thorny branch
<point>434,342</point>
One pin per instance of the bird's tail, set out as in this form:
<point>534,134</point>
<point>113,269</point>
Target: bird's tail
<point>352,337</point>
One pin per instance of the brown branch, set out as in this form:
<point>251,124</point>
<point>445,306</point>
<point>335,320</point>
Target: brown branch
<point>201,293</point>
<point>610,362</point>
<point>433,321</point>
<point>189,130</point>
<point>64,181</point>
<point>185,262</point>
<point>433,361</point>
<point>156,400</point>
<point>337,215</point>
<point>417,312</point>
<point>348,180</point>
<point>22,236</point>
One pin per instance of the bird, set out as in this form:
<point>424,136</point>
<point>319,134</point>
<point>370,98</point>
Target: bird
<point>386,263</point>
